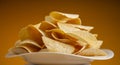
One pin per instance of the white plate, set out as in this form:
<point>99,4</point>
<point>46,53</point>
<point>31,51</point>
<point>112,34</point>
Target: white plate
<point>61,58</point>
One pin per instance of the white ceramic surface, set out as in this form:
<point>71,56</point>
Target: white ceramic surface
<point>61,58</point>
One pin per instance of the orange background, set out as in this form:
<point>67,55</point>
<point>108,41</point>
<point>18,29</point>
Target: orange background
<point>104,15</point>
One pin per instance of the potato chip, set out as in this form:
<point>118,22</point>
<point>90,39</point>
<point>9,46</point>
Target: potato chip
<point>59,35</point>
<point>62,16</point>
<point>46,26</point>
<point>92,52</point>
<point>56,46</point>
<point>70,21</point>
<point>74,21</point>
<point>98,44</point>
<point>81,27</point>
<point>30,32</point>
<point>37,26</point>
<point>84,36</point>
<point>65,40</point>
<point>89,39</point>
<point>30,47</point>
<point>51,19</point>
<point>19,42</point>
<point>25,48</point>
<point>79,50</point>
<point>18,50</point>
<point>66,28</point>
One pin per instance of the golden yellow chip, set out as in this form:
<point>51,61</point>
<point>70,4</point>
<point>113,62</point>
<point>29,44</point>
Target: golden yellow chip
<point>25,48</point>
<point>66,28</point>
<point>32,33</point>
<point>92,52</point>
<point>86,36</point>
<point>30,47</point>
<point>59,35</point>
<point>62,16</point>
<point>46,26</point>
<point>74,21</point>
<point>19,42</point>
<point>51,19</point>
<point>81,27</point>
<point>18,50</point>
<point>56,46</point>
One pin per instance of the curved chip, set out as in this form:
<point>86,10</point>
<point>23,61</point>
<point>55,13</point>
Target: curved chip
<point>59,35</point>
<point>18,50</point>
<point>46,26</point>
<point>19,42</point>
<point>32,33</point>
<point>56,46</point>
<point>81,35</point>
<point>30,47</point>
<point>92,52</point>
<point>74,21</point>
<point>66,28</point>
<point>62,16</point>
<point>51,19</point>
<point>25,48</point>
<point>86,36</point>
<point>81,27</point>
<point>98,44</point>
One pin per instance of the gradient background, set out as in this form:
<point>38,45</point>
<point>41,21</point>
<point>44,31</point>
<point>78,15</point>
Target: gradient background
<point>104,15</point>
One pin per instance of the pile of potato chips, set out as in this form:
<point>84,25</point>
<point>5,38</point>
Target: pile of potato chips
<point>59,32</point>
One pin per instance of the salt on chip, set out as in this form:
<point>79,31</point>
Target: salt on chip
<point>32,33</point>
<point>56,46</point>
